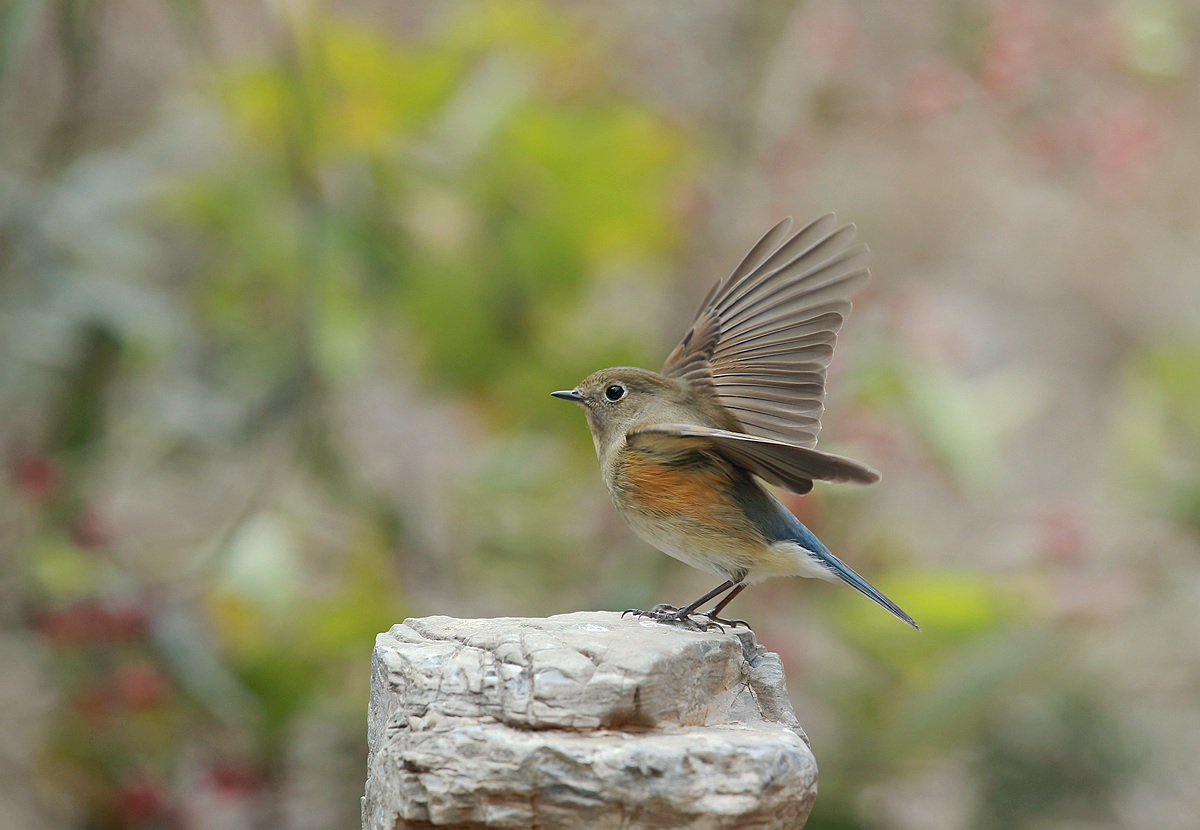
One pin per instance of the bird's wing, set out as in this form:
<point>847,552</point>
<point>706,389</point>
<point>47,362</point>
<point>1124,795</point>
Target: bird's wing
<point>764,336</point>
<point>787,465</point>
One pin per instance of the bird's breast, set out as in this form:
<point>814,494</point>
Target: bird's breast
<point>689,505</point>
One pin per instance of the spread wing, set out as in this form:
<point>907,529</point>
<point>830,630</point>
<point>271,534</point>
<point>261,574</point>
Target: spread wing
<point>764,336</point>
<point>787,465</point>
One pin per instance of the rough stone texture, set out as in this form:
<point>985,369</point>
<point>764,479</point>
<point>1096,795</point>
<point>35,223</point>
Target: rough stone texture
<point>581,720</point>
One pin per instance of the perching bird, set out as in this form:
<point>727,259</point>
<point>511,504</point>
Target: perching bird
<point>738,400</point>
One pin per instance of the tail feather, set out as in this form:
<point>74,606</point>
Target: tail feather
<point>845,573</point>
<point>781,525</point>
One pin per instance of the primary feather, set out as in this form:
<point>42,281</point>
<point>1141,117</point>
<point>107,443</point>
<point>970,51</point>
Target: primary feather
<point>763,338</point>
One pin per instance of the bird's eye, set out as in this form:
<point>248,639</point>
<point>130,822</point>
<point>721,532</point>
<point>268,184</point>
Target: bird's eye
<point>614,392</point>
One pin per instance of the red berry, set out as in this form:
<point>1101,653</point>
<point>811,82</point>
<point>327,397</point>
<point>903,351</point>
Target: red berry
<point>127,622</point>
<point>140,685</point>
<point>236,778</point>
<point>140,800</point>
<point>37,477</point>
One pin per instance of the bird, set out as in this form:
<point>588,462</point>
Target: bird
<point>685,452</point>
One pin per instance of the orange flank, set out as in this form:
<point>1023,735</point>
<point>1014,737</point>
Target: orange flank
<point>697,498</point>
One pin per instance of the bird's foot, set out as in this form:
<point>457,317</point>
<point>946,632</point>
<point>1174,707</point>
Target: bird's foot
<point>665,613</point>
<point>712,615</point>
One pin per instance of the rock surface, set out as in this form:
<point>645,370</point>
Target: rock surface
<point>581,720</point>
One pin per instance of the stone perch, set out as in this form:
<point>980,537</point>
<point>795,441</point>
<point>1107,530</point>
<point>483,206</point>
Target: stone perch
<point>581,720</point>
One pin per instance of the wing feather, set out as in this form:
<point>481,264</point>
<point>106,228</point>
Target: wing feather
<point>764,336</point>
<point>787,465</point>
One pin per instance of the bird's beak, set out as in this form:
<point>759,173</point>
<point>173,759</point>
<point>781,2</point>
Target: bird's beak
<point>569,395</point>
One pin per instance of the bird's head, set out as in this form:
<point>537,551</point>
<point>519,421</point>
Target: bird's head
<point>619,399</point>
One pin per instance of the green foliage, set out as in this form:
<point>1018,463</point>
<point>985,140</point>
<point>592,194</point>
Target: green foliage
<point>1061,758</point>
<point>1158,431</point>
<point>16,21</point>
<point>461,188</point>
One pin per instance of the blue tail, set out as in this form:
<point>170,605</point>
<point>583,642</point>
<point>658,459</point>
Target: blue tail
<point>845,573</point>
<point>779,524</point>
<point>802,535</point>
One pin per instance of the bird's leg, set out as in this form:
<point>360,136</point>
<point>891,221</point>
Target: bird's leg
<point>716,609</point>
<point>669,613</point>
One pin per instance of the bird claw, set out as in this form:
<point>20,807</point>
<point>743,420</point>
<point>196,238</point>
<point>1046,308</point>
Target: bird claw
<point>731,623</point>
<point>664,613</point>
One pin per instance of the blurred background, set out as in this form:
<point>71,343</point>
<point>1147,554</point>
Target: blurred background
<point>284,287</point>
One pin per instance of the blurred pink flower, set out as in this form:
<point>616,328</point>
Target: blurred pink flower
<point>1125,140</point>
<point>1010,53</point>
<point>930,90</point>
<point>1061,533</point>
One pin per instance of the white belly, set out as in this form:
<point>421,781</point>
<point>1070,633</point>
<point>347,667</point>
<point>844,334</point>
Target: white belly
<point>723,564</point>
<point>777,559</point>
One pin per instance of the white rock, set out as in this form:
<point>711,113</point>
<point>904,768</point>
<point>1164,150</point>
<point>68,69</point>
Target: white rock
<point>581,720</point>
